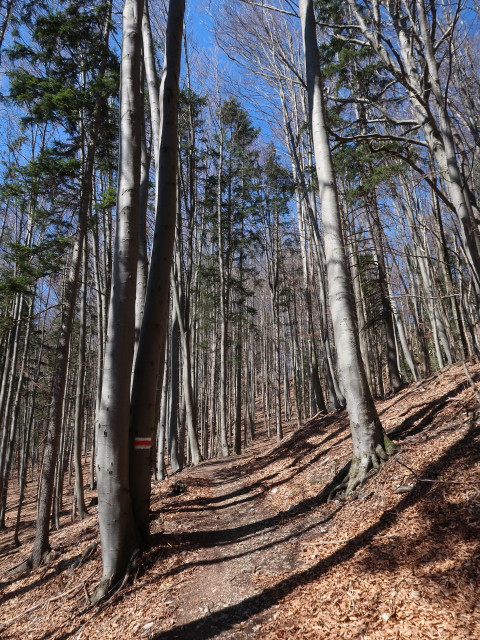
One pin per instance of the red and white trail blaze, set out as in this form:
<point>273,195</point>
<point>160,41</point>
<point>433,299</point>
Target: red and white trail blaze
<point>142,443</point>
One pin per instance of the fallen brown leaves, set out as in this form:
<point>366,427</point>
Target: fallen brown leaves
<point>377,565</point>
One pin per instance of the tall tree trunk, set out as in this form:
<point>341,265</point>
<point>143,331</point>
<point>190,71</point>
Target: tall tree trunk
<point>118,533</point>
<point>222,423</point>
<point>148,365</point>
<point>175,459</point>
<point>186,372</point>
<point>41,542</point>
<point>368,438</point>
<point>376,231</point>
<point>142,257</point>
<point>79,399</point>
<point>162,421</point>
<point>55,419</point>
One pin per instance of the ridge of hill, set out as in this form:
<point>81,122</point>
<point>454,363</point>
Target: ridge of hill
<point>250,547</point>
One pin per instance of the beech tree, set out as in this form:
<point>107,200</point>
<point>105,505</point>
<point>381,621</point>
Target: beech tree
<point>55,98</point>
<point>370,444</point>
<point>328,253</point>
<point>118,531</point>
<point>149,361</point>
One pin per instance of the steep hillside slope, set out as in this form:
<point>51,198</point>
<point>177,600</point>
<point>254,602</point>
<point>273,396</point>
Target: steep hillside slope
<point>251,547</point>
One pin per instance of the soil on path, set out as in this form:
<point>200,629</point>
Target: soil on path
<point>249,547</point>
<point>242,540</point>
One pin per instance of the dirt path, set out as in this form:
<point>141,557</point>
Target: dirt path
<point>237,538</point>
<point>250,548</point>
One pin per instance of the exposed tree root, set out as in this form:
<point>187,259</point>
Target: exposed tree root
<point>111,584</point>
<point>102,591</point>
<point>28,565</point>
<point>86,555</point>
<point>360,470</point>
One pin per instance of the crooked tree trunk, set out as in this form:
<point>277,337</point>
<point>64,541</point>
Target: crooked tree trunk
<point>148,365</point>
<point>369,441</point>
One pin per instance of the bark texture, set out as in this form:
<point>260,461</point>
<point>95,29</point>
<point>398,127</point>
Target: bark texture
<point>148,365</point>
<point>367,435</point>
<point>117,529</point>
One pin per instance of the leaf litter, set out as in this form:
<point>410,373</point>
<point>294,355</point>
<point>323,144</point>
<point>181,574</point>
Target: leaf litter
<point>252,548</point>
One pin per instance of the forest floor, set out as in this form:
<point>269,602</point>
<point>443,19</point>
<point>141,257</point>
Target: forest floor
<point>249,547</point>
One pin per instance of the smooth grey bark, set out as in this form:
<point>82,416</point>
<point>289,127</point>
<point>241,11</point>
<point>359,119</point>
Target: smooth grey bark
<point>142,257</point>
<point>79,405</point>
<point>186,369</point>
<point>222,423</point>
<point>161,434</point>
<point>118,533</point>
<point>376,232</point>
<point>314,374</point>
<point>155,317</point>
<point>172,435</point>
<point>368,438</point>
<point>307,218</point>
<point>152,80</point>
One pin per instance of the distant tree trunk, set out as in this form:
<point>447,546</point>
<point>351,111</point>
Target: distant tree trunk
<point>368,438</point>
<point>161,471</point>
<point>28,429</point>
<point>186,371</point>
<point>402,335</point>
<point>175,462</point>
<point>10,369</point>
<point>13,418</point>
<point>376,231</point>
<point>222,425</point>
<point>50,454</point>
<point>237,439</point>
<point>79,499</point>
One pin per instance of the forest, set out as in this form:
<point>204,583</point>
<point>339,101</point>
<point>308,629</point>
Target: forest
<point>237,237</point>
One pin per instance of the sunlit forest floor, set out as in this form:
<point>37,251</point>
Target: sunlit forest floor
<point>250,547</point>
